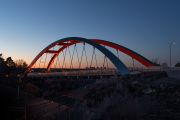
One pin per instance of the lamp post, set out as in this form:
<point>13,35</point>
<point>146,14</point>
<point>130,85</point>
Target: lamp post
<point>170,47</point>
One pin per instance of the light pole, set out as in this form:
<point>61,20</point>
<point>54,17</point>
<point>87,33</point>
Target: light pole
<point>170,47</point>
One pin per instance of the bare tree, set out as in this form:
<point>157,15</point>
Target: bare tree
<point>21,63</point>
<point>177,64</point>
<point>21,66</point>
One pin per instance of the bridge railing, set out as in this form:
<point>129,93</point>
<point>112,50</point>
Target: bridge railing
<point>77,73</point>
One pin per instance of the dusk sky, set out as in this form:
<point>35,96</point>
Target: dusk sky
<point>145,26</point>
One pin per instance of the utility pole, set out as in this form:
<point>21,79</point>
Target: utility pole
<point>170,50</point>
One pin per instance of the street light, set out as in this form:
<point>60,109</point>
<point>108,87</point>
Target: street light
<point>170,47</point>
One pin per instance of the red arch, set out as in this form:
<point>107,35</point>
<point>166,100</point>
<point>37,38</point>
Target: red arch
<point>127,51</point>
<point>70,42</point>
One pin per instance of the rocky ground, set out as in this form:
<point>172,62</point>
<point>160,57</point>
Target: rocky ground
<point>145,96</point>
<point>146,99</point>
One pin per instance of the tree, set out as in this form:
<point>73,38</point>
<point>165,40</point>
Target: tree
<point>3,66</point>
<point>8,66</point>
<point>21,63</point>
<point>1,59</point>
<point>10,63</point>
<point>21,66</point>
<point>177,64</point>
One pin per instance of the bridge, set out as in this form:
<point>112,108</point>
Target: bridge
<point>72,57</point>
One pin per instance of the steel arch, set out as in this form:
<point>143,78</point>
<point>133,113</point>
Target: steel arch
<point>127,51</point>
<point>96,43</point>
<point>122,69</point>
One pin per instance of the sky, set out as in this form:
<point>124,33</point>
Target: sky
<point>145,26</point>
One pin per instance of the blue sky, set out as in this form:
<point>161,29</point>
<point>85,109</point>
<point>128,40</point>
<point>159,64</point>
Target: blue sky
<point>146,26</point>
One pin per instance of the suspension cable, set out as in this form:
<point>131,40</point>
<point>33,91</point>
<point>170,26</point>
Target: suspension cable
<point>104,61</point>
<point>52,54</point>
<point>78,60</point>
<point>34,66</point>
<point>117,53</point>
<point>55,63</point>
<point>59,63</point>
<point>92,57</point>
<point>71,65</point>
<point>81,57</point>
<point>40,61</point>
<point>77,55</point>
<point>107,65</point>
<point>57,60</point>
<point>64,58</point>
<point>69,55</point>
<point>45,60</point>
<point>95,57</point>
<point>86,57</point>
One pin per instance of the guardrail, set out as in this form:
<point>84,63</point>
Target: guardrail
<point>76,73</point>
